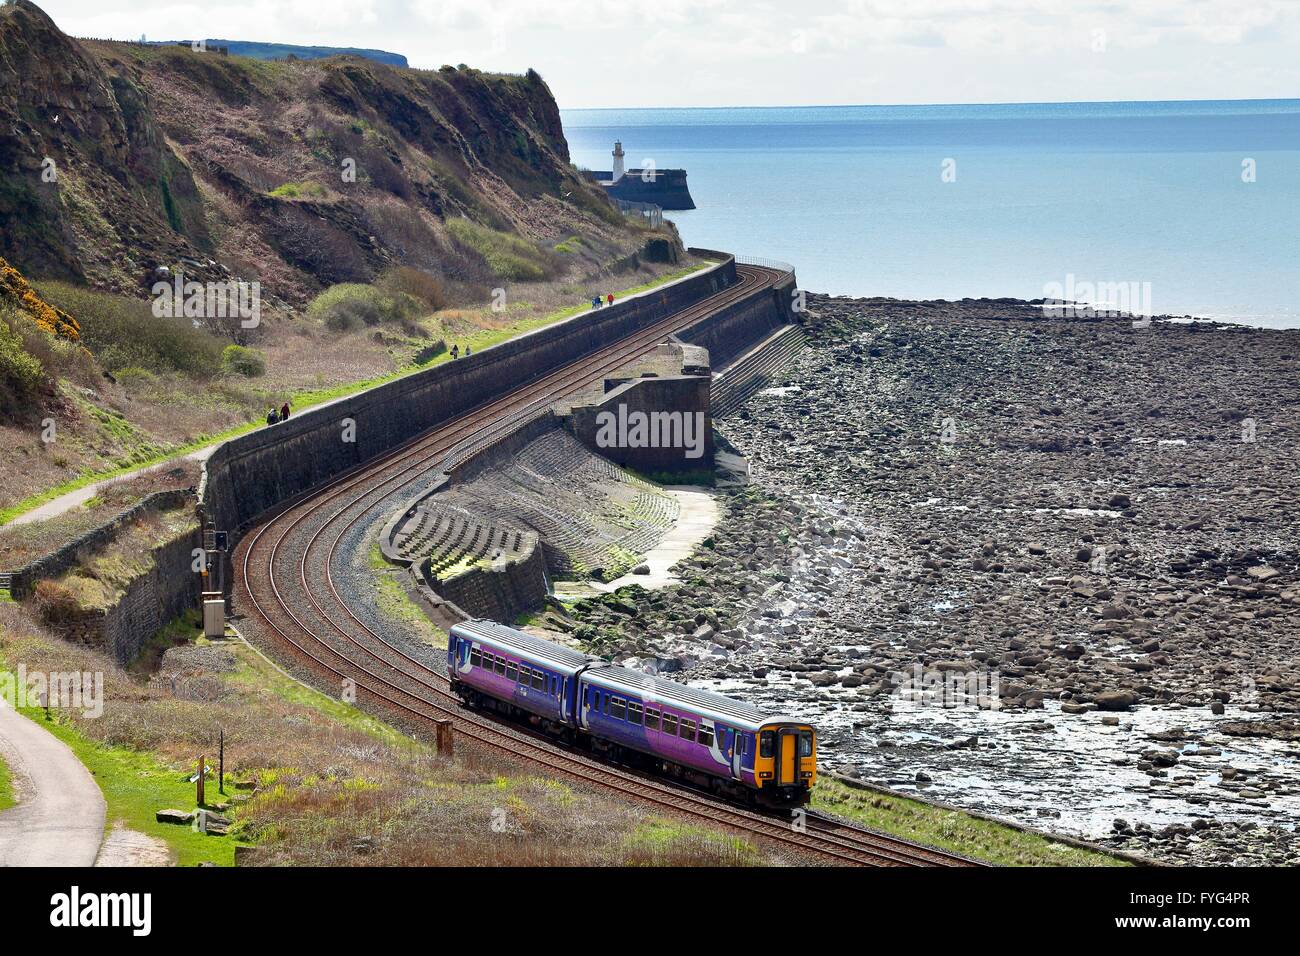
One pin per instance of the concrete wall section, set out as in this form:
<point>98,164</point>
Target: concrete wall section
<point>660,424</point>
<point>728,333</point>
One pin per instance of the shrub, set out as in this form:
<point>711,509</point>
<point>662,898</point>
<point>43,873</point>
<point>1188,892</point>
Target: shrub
<point>306,190</point>
<point>22,376</point>
<point>238,360</point>
<point>416,283</point>
<point>55,602</point>
<point>508,256</point>
<point>124,332</point>
<point>351,305</point>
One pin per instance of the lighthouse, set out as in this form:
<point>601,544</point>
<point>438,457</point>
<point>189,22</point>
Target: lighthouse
<point>618,161</point>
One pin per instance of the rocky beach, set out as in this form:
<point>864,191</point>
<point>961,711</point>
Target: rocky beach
<point>1041,567</point>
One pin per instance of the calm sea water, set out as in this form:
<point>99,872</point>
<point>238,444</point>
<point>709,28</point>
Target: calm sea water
<point>855,196</point>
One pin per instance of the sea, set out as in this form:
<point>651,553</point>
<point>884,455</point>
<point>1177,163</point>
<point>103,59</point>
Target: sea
<point>1175,208</point>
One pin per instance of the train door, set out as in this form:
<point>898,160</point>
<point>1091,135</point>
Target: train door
<point>736,743</point>
<point>787,757</point>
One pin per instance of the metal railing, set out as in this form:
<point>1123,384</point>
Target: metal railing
<point>776,264</point>
<point>648,211</point>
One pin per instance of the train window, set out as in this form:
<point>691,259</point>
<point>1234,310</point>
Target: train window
<point>706,735</point>
<point>512,674</point>
<point>651,719</point>
<point>500,667</point>
<point>634,713</point>
<point>539,680</point>
<point>475,658</point>
<point>805,743</point>
<point>618,708</point>
<point>670,723</point>
<point>766,743</point>
<point>604,695</point>
<point>687,731</point>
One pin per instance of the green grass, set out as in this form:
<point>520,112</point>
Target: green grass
<point>6,786</point>
<point>507,255</point>
<point>660,838</point>
<point>395,602</point>
<point>253,670</point>
<point>306,399</point>
<point>950,829</point>
<point>304,190</point>
<point>136,785</point>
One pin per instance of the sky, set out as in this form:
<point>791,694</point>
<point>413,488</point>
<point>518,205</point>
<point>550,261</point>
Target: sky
<point>647,53</point>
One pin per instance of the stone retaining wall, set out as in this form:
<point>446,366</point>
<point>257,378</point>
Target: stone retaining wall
<point>158,596</point>
<point>499,593</point>
<point>671,408</point>
<point>61,559</point>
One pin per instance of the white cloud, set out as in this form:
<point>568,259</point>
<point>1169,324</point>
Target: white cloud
<point>709,52</point>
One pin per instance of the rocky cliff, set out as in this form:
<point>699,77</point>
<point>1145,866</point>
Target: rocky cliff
<point>116,158</point>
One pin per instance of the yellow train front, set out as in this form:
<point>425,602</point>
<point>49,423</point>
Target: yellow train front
<point>785,765</point>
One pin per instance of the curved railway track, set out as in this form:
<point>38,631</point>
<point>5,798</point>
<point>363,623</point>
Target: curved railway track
<point>284,578</point>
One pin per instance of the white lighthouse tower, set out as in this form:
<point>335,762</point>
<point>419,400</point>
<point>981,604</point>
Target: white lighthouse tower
<point>618,161</point>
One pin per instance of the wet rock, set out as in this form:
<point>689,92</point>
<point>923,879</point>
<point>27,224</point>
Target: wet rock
<point>1116,700</point>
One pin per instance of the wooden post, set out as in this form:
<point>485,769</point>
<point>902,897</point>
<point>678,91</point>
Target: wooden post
<point>446,747</point>
<point>221,764</point>
<point>199,784</point>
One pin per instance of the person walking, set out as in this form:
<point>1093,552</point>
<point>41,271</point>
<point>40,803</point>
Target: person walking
<point>284,412</point>
<point>455,352</point>
<point>611,298</point>
<point>271,417</point>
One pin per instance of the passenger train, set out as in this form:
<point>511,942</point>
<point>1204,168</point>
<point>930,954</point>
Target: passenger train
<point>630,717</point>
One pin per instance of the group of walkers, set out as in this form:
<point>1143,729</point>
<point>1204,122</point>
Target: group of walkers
<point>455,352</point>
<point>272,416</point>
<point>596,302</point>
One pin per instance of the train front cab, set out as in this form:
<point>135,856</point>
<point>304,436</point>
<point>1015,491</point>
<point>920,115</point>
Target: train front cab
<point>786,767</point>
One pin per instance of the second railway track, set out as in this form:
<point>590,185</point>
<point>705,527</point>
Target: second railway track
<point>284,579</point>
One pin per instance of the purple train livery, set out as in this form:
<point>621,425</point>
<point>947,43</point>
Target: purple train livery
<point>634,718</point>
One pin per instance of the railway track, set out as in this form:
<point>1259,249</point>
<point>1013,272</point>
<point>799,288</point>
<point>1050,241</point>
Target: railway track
<point>284,579</point>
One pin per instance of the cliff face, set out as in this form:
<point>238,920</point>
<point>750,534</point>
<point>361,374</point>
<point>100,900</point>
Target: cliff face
<point>83,169</point>
<point>299,174</point>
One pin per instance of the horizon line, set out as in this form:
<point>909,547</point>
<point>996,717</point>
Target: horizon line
<point>817,106</point>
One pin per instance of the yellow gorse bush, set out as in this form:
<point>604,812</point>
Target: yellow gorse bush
<point>14,288</point>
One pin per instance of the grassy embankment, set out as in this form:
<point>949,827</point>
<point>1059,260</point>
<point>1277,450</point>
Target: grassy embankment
<point>478,328</point>
<point>951,829</point>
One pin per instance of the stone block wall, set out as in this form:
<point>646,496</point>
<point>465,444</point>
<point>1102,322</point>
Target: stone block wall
<point>61,559</point>
<point>499,593</point>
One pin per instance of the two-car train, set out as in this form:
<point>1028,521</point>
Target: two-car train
<point>634,718</point>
